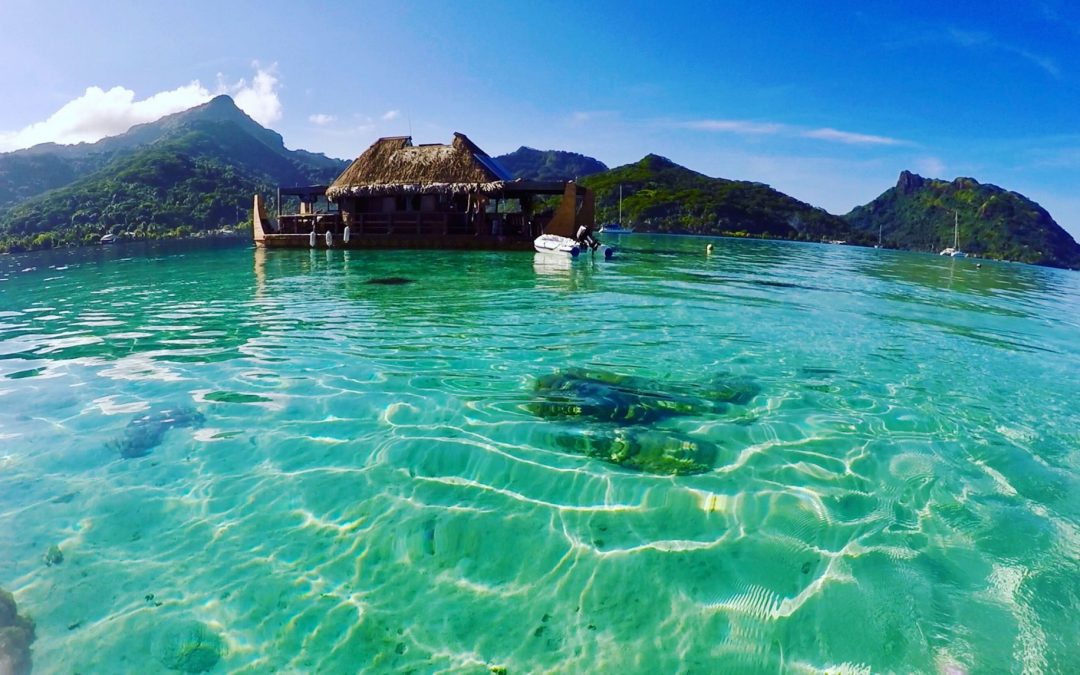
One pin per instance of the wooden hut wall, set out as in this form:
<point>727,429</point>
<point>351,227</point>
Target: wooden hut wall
<point>575,209</point>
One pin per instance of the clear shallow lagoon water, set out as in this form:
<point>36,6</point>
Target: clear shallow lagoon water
<point>354,479</point>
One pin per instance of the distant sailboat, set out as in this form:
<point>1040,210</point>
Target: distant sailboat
<point>878,236</point>
<point>954,250</point>
<point>616,227</point>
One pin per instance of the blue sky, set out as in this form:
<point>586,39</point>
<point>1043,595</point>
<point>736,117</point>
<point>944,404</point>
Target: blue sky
<point>827,102</point>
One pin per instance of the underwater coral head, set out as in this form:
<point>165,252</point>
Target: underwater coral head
<point>641,449</point>
<point>622,399</point>
<point>619,413</point>
<point>144,433</point>
<point>16,634</point>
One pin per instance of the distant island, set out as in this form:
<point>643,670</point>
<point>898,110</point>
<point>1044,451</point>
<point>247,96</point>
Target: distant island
<point>185,174</point>
<point>919,214</point>
<point>194,172</point>
<point>661,196</point>
<point>533,164</point>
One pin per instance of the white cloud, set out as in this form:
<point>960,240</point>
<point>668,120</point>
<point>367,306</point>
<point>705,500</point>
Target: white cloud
<point>751,128</point>
<point>931,167</point>
<point>99,113</point>
<point>258,99</point>
<point>736,126</point>
<point>849,137</point>
<point>580,117</point>
<point>971,39</point>
<point>391,115</point>
<point>1045,62</point>
<point>321,119</point>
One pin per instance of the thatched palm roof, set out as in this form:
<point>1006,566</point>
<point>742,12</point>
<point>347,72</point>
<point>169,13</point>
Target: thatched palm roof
<point>393,166</point>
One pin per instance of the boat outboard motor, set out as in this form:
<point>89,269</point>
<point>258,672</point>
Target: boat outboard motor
<point>585,238</point>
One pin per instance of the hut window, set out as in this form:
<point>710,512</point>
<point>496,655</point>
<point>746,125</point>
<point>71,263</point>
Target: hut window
<point>511,205</point>
<point>400,203</point>
<point>388,204</point>
<point>414,203</point>
<point>428,203</point>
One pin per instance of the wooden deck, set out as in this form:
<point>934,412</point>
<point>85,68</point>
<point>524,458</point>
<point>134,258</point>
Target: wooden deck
<point>415,230</point>
<point>425,224</point>
<point>401,229</point>
<point>387,241</point>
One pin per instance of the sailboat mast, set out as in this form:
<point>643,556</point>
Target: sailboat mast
<point>620,204</point>
<point>956,230</point>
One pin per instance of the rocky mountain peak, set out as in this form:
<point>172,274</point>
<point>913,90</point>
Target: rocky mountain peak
<point>909,182</point>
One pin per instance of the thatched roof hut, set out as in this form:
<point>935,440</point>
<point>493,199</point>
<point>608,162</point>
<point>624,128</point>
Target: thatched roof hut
<point>394,166</point>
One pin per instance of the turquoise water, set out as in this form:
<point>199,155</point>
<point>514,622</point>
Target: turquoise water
<point>297,470</point>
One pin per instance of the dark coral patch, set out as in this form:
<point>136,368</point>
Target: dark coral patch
<point>389,281</point>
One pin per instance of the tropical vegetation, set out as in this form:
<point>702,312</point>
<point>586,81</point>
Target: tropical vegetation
<point>195,172</point>
<point>658,195</point>
<point>923,214</point>
<point>533,164</point>
<point>186,175</point>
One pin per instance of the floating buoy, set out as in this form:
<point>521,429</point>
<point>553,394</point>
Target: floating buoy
<point>708,248</point>
<point>329,238</point>
<point>346,237</point>
<point>311,239</point>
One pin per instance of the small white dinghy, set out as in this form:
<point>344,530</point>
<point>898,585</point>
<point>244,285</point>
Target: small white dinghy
<point>553,243</point>
<point>569,232</point>
<point>565,246</point>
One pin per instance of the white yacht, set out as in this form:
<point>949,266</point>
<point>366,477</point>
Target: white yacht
<point>954,250</point>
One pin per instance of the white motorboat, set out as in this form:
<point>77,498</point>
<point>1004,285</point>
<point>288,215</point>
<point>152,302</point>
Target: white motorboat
<point>553,243</point>
<point>569,231</point>
<point>565,246</point>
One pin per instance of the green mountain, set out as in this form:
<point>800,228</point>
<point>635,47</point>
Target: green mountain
<point>534,164</point>
<point>661,196</point>
<point>919,214</point>
<point>24,175</point>
<point>192,171</point>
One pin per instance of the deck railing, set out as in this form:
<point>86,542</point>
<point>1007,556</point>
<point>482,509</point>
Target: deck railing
<point>303,224</point>
<point>418,224</point>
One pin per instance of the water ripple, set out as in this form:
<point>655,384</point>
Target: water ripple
<point>361,482</point>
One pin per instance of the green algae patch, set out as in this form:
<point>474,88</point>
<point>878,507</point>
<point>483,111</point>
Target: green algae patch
<point>233,397</point>
<point>23,374</point>
<point>53,556</point>
<point>600,396</point>
<point>639,449</point>
<point>189,647</point>
<point>615,416</point>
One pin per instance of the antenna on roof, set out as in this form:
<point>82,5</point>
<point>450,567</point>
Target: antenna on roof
<point>408,117</point>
